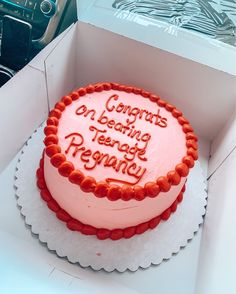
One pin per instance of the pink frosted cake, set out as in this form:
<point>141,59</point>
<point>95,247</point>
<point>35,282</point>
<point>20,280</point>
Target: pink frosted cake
<point>116,160</point>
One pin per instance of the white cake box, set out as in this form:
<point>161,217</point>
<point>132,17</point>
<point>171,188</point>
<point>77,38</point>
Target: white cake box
<point>194,73</point>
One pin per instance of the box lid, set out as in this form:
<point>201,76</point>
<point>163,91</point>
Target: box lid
<point>160,34</point>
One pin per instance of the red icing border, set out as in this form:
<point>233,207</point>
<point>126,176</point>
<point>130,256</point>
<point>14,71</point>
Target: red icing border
<point>101,233</point>
<point>111,191</point>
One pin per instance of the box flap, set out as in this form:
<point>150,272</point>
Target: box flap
<point>217,265</point>
<point>38,61</point>
<point>205,95</point>
<point>61,67</point>
<point>23,108</point>
<point>223,144</point>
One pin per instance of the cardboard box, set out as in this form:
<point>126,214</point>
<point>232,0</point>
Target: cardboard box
<point>194,73</point>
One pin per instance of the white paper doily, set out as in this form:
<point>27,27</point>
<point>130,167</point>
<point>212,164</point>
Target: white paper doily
<point>152,247</point>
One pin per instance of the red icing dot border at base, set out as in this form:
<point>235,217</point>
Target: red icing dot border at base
<point>100,233</point>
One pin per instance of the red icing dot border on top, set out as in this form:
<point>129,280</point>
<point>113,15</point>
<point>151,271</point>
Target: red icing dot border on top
<point>100,233</point>
<point>111,191</point>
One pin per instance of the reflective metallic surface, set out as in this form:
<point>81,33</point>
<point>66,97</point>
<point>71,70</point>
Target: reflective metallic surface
<point>214,18</point>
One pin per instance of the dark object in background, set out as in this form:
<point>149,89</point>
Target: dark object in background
<point>5,75</point>
<point>29,25</point>
<point>16,42</point>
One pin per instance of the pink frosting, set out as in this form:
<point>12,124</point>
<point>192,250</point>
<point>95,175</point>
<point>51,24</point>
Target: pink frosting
<point>101,212</point>
<point>164,150</point>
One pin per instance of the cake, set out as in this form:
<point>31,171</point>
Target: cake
<point>116,160</point>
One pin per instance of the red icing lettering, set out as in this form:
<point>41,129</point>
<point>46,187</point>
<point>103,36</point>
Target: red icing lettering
<point>111,123</point>
<point>115,97</point>
<point>92,128</point>
<point>82,109</point>
<point>80,141</point>
<point>103,119</point>
<point>137,173</point>
<point>130,152</point>
<point>130,131</point>
<point>163,122</point>
<point>134,112</point>
<point>92,159</point>
<point>85,154</point>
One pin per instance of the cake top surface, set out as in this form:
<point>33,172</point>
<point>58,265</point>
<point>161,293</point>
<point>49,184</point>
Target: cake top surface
<point>122,135</point>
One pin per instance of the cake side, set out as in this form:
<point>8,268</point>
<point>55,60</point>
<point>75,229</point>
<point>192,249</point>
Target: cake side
<point>101,212</point>
<point>101,233</point>
<point>116,156</point>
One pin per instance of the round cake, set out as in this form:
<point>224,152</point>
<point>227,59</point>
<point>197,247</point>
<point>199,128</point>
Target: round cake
<point>116,160</point>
